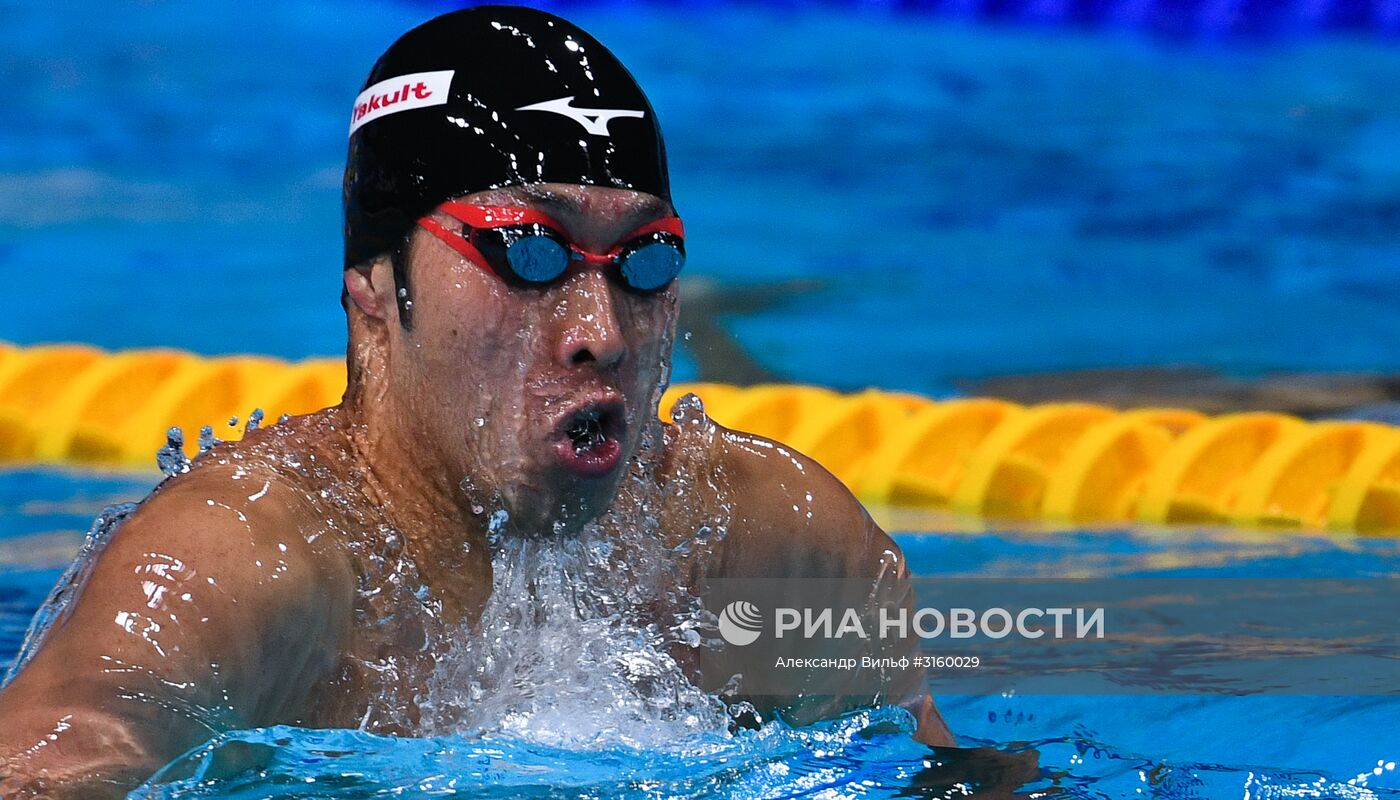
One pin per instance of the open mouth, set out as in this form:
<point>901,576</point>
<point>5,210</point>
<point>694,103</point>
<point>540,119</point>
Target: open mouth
<point>589,442</point>
<point>586,430</point>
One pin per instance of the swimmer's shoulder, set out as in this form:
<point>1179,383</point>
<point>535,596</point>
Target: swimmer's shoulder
<point>221,600</point>
<point>244,519</point>
<point>245,526</point>
<point>269,482</point>
<point>784,506</point>
<point>252,500</point>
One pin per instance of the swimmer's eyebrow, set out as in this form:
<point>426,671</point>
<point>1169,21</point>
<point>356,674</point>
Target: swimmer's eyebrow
<point>553,201</point>
<point>650,207</point>
<point>645,210</point>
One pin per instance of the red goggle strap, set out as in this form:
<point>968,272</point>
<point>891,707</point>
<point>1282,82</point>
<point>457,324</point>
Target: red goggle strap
<point>498,216</point>
<point>454,240</point>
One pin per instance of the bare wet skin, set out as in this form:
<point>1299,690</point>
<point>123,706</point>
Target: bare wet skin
<point>493,531</point>
<point>368,645</point>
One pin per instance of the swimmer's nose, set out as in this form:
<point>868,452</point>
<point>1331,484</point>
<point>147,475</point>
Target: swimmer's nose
<point>591,332</point>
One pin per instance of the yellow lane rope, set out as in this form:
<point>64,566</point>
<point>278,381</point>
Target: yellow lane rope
<point>1073,462</point>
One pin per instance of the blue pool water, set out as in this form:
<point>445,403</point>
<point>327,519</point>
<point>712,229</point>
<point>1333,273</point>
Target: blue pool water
<point>972,201</point>
<point>1154,745</point>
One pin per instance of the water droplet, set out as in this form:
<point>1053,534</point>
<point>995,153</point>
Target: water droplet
<point>255,421</point>
<point>207,439</point>
<point>498,521</point>
<point>171,458</point>
<point>233,421</point>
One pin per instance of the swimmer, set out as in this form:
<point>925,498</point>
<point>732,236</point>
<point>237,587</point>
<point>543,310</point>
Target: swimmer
<point>510,285</point>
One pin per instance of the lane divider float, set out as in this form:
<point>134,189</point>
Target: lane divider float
<point>1071,462</point>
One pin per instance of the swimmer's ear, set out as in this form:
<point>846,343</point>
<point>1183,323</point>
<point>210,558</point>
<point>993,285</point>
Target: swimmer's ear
<point>371,287</point>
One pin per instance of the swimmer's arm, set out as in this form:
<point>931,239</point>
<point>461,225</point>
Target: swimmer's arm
<point>198,618</point>
<point>795,522</point>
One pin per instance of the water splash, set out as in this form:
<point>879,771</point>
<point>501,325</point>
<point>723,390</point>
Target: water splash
<point>561,655</point>
<point>571,649</point>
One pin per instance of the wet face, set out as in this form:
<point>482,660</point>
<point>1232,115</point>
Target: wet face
<point>534,397</point>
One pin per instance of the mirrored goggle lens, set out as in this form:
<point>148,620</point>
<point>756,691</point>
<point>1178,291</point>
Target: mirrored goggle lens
<point>654,264</point>
<point>537,258</point>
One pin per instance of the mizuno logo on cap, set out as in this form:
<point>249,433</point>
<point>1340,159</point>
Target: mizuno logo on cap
<point>593,120</point>
<point>419,90</point>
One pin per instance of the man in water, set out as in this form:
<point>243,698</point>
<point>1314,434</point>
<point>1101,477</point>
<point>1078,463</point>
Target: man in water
<point>510,286</point>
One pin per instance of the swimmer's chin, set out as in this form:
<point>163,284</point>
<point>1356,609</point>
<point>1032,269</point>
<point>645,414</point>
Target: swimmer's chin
<point>532,515</point>
<point>552,528</point>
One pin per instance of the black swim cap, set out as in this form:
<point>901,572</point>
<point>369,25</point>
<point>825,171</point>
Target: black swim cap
<point>488,97</point>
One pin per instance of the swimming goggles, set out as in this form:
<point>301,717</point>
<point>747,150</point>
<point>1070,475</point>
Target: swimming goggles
<point>524,246</point>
